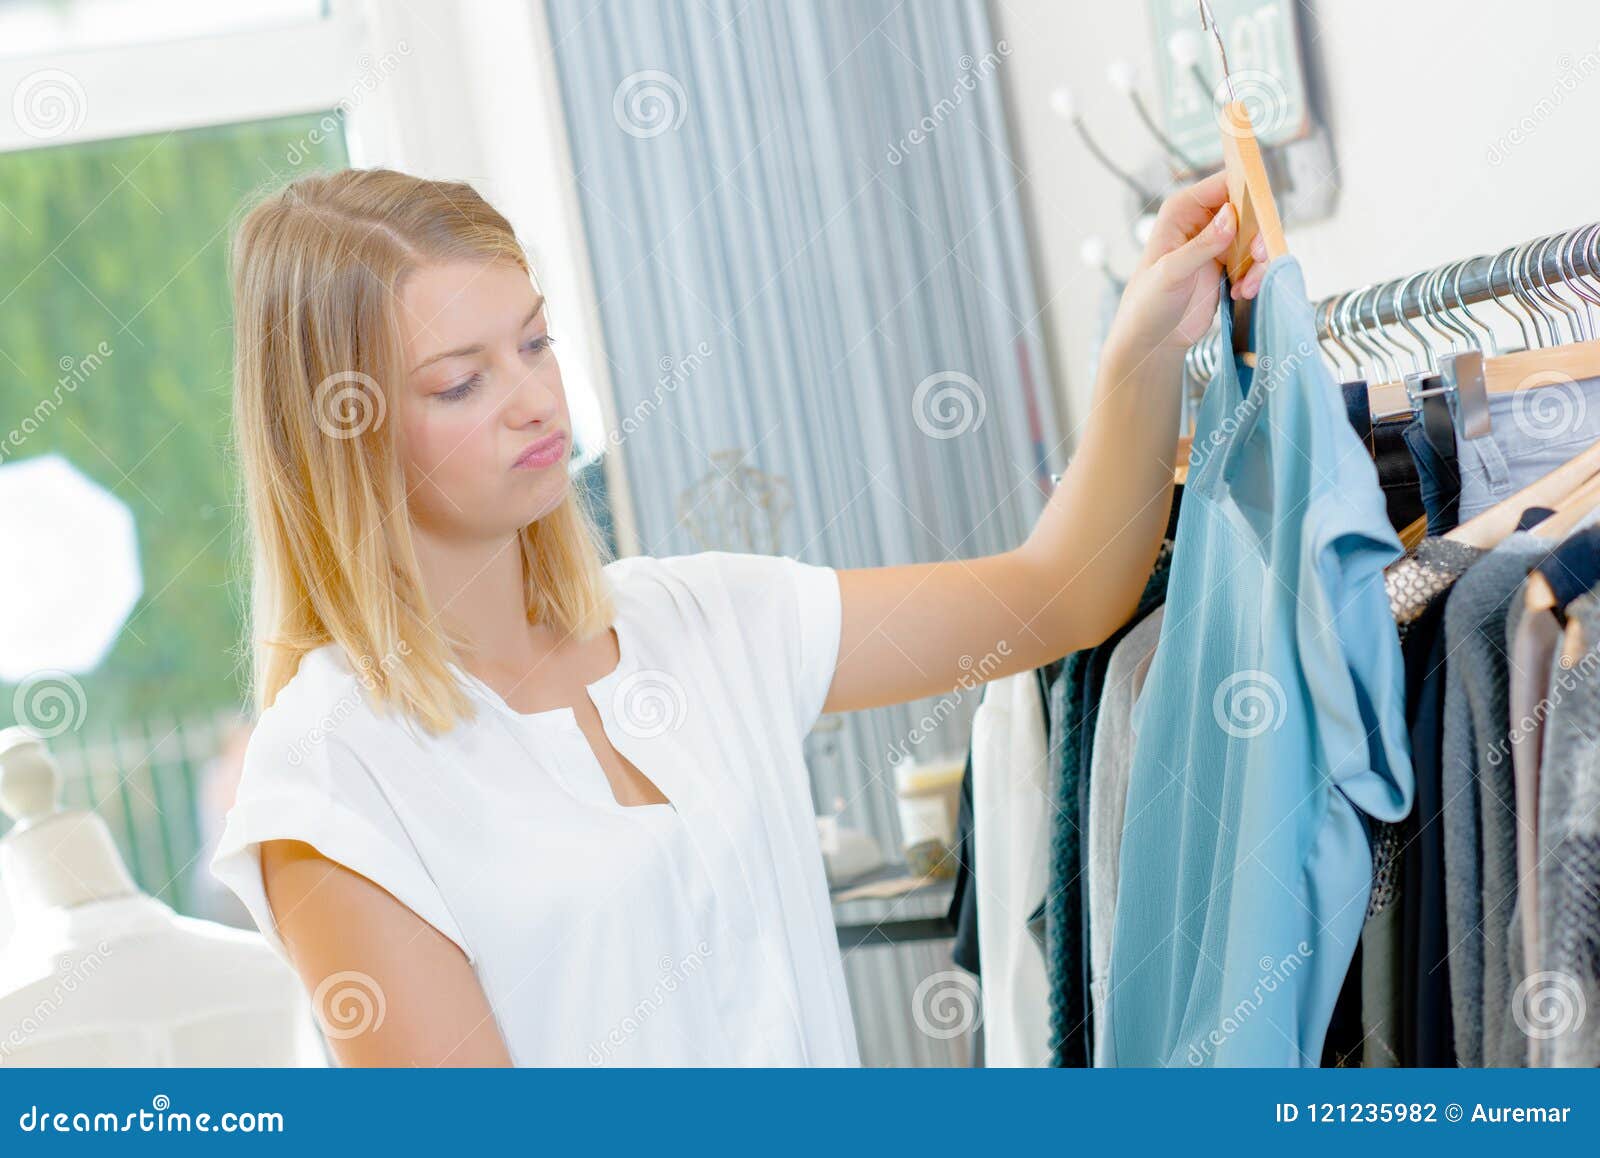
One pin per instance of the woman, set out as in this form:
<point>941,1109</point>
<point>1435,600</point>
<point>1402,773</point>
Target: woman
<point>508,805</point>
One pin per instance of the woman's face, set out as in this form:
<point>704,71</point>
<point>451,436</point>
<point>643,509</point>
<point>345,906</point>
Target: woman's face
<point>482,391</point>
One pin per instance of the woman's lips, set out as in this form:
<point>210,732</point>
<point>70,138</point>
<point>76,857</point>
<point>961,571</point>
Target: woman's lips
<point>546,452</point>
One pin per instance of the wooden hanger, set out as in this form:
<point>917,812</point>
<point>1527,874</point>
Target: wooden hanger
<point>1255,210</point>
<point>1487,529</point>
<point>1533,369</point>
<point>1571,489</point>
<point>1414,532</point>
<point>1569,512</point>
<point>1250,191</point>
<point>1180,463</point>
<point>1249,188</point>
<point>1538,595</point>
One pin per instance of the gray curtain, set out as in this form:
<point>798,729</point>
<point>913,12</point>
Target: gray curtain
<point>814,284</point>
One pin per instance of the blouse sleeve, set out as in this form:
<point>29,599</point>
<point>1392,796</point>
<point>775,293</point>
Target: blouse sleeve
<point>790,614</point>
<point>319,791</point>
<point>1356,674</point>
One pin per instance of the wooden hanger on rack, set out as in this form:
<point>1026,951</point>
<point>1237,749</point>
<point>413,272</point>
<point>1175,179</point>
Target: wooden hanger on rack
<point>1488,529</point>
<point>1573,491</point>
<point>1475,373</point>
<point>1538,596</point>
<point>1499,374</point>
<point>1568,513</point>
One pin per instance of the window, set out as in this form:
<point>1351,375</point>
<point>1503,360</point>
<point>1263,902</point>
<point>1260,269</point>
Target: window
<point>116,342</point>
<point>28,27</point>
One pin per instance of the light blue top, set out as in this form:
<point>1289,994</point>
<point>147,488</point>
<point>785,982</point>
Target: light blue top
<point>1272,719</point>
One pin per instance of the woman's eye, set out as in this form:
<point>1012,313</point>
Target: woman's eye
<point>460,390</point>
<point>467,386</point>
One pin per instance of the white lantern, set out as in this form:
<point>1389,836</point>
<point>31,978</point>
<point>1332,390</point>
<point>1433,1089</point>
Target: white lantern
<point>69,568</point>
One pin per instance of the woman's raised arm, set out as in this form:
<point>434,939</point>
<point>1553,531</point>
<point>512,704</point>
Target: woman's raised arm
<point>922,629</point>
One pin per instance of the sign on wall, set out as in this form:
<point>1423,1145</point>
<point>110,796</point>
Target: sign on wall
<point>1262,38</point>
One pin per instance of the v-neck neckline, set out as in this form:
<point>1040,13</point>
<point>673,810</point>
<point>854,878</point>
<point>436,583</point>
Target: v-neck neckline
<point>565,718</point>
<point>564,715</point>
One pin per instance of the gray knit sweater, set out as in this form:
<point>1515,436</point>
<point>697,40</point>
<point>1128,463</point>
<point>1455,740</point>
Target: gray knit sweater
<point>1480,827</point>
<point>1560,1000</point>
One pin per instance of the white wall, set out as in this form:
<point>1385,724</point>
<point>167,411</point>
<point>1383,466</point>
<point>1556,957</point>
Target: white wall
<point>1419,94</point>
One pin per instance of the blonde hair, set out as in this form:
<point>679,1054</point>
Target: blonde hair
<point>317,271</point>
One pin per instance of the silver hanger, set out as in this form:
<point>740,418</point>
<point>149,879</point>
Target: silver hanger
<point>1494,294</point>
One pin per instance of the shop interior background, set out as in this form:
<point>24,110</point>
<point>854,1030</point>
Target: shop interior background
<point>756,266</point>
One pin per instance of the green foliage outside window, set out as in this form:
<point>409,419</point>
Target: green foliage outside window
<point>116,352</point>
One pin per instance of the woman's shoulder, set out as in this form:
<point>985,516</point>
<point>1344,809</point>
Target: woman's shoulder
<point>326,698</point>
<point>771,604</point>
<point>733,572</point>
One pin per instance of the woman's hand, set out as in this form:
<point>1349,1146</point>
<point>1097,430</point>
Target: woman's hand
<point>918,629</point>
<point>1172,295</point>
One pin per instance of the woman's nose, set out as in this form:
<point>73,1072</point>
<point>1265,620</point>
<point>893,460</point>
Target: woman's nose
<point>536,395</point>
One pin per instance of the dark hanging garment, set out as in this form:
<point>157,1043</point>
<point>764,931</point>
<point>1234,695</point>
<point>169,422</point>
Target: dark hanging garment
<point>1427,1025</point>
<point>1386,442</point>
<point>1343,1044</point>
<point>1431,438</point>
<point>1397,474</point>
<point>1075,702</point>
<point>963,911</point>
<point>1533,516</point>
<point>1573,568</point>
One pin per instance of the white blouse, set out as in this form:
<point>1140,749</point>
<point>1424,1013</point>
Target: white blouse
<point>695,933</point>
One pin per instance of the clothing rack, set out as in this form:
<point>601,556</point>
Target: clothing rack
<point>1523,272</point>
<point>1474,365</point>
<point>1514,271</point>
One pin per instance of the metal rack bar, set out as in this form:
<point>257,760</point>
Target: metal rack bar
<point>1482,277</point>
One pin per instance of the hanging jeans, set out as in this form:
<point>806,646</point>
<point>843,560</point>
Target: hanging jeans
<point>1431,438</point>
<point>1533,431</point>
